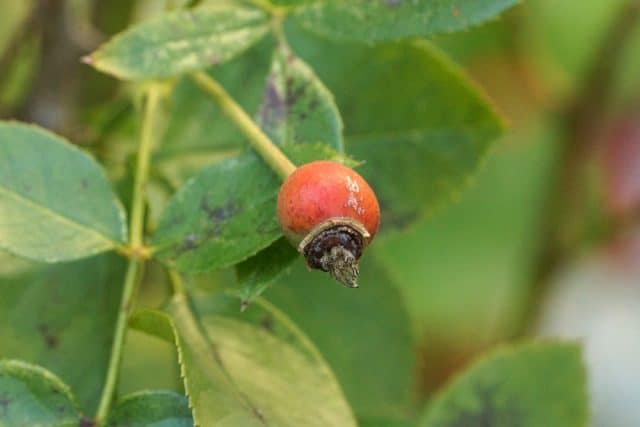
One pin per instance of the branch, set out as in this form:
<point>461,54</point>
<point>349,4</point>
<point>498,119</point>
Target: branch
<point>583,119</point>
<point>132,279</point>
<point>260,142</point>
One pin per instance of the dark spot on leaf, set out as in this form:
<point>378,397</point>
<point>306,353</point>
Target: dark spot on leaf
<point>190,242</point>
<point>4,402</point>
<point>294,92</point>
<point>214,60</point>
<point>219,213</point>
<point>27,188</point>
<point>313,104</point>
<point>399,219</point>
<point>61,409</point>
<point>258,413</point>
<point>214,231</point>
<point>86,422</point>
<point>176,220</point>
<point>267,323</point>
<point>51,340</point>
<point>487,412</point>
<point>272,110</point>
<point>84,184</point>
<point>394,218</point>
<point>392,3</point>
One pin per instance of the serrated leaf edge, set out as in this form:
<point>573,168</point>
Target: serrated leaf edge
<point>10,365</point>
<point>94,61</point>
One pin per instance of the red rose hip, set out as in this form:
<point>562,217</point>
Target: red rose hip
<point>331,214</point>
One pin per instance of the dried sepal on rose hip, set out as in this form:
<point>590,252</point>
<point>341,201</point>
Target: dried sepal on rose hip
<point>331,214</point>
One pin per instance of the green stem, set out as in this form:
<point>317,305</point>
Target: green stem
<point>176,282</point>
<point>256,137</point>
<point>131,281</point>
<point>133,276</point>
<point>142,167</point>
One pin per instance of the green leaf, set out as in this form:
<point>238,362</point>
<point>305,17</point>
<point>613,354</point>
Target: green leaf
<point>419,126</point>
<point>532,385</point>
<point>32,396</point>
<point>182,41</point>
<point>151,408</point>
<point>259,272</point>
<point>389,423</point>
<point>290,2</point>
<point>55,201</point>
<point>364,334</point>
<point>296,106</point>
<point>226,213</point>
<point>240,374</point>
<point>481,247</point>
<point>62,317</point>
<point>223,215</point>
<point>384,20</point>
<point>197,125</point>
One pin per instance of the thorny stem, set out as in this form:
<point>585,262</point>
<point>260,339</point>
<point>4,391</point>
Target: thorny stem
<point>583,117</point>
<point>256,137</point>
<point>133,276</point>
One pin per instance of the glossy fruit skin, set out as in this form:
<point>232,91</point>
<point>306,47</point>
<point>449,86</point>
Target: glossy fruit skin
<point>324,190</point>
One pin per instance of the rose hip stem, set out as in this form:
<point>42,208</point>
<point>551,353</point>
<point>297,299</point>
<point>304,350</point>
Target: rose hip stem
<point>256,137</point>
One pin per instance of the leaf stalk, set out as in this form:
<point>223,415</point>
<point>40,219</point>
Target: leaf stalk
<point>133,276</point>
<point>260,142</point>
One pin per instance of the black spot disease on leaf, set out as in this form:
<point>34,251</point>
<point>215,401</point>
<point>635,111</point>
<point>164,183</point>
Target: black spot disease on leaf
<point>177,219</point>
<point>294,91</point>
<point>273,109</point>
<point>216,216</point>
<point>189,242</point>
<point>86,422</point>
<point>4,403</point>
<point>219,214</point>
<point>395,218</point>
<point>488,413</point>
<point>267,323</point>
<point>51,340</point>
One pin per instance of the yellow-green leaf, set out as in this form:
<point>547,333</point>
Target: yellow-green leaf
<point>238,373</point>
